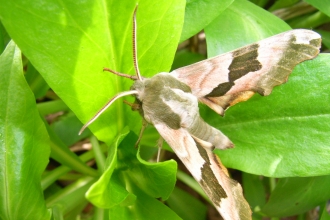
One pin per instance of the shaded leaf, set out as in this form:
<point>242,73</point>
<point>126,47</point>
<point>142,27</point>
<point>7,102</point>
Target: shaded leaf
<point>192,210</point>
<point>325,37</point>
<point>297,195</point>
<point>254,190</point>
<point>71,197</point>
<point>195,19</point>
<point>323,5</point>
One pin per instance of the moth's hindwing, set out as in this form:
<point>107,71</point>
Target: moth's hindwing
<point>224,80</point>
<point>225,193</point>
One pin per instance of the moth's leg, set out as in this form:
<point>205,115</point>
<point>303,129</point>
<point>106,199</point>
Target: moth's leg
<point>134,106</point>
<point>120,74</point>
<point>160,146</point>
<point>144,125</point>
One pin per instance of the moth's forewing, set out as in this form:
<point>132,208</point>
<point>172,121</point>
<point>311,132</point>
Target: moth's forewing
<point>224,80</point>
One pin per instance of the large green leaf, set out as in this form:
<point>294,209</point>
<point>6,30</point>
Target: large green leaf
<point>240,24</point>
<point>297,195</point>
<point>70,42</point>
<point>284,134</point>
<point>24,143</point>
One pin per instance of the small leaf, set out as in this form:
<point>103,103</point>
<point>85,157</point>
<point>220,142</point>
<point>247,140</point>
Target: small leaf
<point>109,191</point>
<point>154,179</point>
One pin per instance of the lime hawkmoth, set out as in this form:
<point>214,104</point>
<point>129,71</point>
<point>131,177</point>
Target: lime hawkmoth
<point>169,101</point>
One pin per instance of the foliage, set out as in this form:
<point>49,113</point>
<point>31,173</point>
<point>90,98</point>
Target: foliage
<point>65,46</point>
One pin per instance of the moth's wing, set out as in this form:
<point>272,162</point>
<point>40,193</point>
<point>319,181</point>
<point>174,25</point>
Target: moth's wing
<point>225,193</point>
<point>227,79</point>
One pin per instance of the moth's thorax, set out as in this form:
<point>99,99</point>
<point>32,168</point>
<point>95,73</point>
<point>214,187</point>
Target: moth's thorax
<point>156,84</point>
<point>160,97</point>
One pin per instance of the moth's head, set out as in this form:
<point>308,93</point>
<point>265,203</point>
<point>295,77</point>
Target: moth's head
<point>139,86</point>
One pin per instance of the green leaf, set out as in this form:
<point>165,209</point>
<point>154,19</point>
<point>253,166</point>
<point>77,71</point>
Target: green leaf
<point>94,35</point>
<point>145,207</point>
<point>284,134</point>
<point>324,214</point>
<point>130,181</point>
<point>261,3</point>
<point>36,82</point>
<point>325,37</point>
<point>309,21</point>
<point>254,190</point>
<point>24,143</point>
<point>154,179</point>
<point>71,197</point>
<point>192,183</point>
<point>52,176</point>
<point>294,196</point>
<point>185,58</point>
<point>245,23</point>
<point>66,128</point>
<point>195,19</point>
<point>282,4</point>
<point>192,210</point>
<point>323,5</point>
<point>4,38</point>
<point>50,107</point>
<point>108,191</point>
<point>61,153</point>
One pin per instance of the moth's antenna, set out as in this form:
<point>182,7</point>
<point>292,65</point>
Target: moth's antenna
<point>136,66</point>
<point>105,107</point>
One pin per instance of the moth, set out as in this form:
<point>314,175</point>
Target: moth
<point>218,82</point>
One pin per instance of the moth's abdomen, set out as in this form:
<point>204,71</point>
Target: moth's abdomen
<point>208,136</point>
